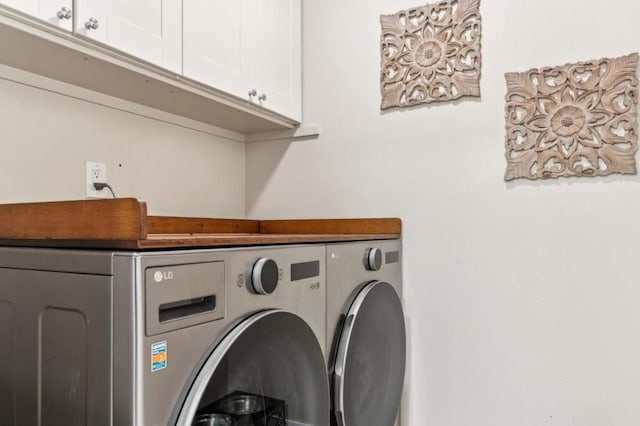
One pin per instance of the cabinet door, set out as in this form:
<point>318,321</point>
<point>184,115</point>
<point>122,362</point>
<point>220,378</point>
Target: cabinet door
<point>275,53</point>
<point>245,46</point>
<point>147,29</point>
<point>215,44</point>
<point>47,10</point>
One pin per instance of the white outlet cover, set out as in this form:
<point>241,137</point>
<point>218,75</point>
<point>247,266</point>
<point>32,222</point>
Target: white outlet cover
<point>96,172</point>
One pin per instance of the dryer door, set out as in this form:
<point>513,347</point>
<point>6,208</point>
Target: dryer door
<point>268,370</point>
<point>368,372</point>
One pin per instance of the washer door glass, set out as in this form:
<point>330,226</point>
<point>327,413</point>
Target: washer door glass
<point>370,359</point>
<point>269,370</point>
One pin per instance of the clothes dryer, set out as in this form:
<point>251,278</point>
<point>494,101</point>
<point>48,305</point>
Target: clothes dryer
<point>366,342</point>
<point>160,338</point>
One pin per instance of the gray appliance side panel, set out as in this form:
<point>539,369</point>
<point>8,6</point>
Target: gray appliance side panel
<point>60,333</point>
<point>124,337</point>
<point>8,357</point>
<point>96,262</point>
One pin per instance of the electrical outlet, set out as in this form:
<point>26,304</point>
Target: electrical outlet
<point>96,172</point>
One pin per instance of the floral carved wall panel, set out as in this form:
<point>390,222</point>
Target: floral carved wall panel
<point>573,120</point>
<point>430,54</point>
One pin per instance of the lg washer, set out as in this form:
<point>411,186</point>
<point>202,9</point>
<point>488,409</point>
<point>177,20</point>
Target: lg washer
<point>163,338</point>
<point>366,342</point>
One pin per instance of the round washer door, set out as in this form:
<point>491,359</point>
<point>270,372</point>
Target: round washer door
<point>370,359</point>
<point>272,357</point>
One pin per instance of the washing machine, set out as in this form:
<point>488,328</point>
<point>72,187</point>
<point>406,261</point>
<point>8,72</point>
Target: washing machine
<point>366,342</point>
<point>163,338</point>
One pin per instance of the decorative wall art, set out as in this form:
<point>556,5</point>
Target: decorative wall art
<point>430,54</point>
<point>573,120</point>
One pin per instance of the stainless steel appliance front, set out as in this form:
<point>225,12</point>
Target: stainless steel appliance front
<point>366,342</point>
<point>124,338</point>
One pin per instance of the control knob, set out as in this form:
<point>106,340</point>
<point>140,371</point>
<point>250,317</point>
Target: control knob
<point>264,276</point>
<point>373,259</point>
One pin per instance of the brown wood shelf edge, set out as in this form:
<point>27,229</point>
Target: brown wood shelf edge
<point>124,223</point>
<point>113,219</point>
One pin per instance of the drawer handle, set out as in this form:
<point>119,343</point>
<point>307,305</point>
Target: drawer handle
<point>185,308</point>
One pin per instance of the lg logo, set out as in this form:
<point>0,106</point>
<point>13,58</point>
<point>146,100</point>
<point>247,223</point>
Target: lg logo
<point>160,276</point>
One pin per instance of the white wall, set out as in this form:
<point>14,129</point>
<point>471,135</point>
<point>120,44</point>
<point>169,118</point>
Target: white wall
<point>46,137</point>
<point>522,299</point>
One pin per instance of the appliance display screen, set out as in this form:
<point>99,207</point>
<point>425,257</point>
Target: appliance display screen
<point>392,257</point>
<point>300,271</point>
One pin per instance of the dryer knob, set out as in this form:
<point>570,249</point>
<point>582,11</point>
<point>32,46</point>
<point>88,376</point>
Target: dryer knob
<point>264,276</point>
<point>373,259</point>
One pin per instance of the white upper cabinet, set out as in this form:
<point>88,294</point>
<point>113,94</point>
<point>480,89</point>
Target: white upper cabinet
<point>55,12</point>
<point>147,29</point>
<point>234,64</point>
<point>215,44</point>
<point>276,54</point>
<point>248,48</point>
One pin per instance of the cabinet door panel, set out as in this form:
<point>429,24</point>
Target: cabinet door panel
<point>49,12</point>
<point>215,44</point>
<point>139,41</point>
<point>276,54</point>
<point>30,7</point>
<point>46,10</point>
<point>145,29</point>
<point>172,35</point>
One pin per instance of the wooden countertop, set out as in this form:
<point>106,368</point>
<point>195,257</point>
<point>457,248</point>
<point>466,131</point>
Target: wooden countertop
<point>124,224</point>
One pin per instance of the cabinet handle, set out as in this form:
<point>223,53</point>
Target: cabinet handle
<point>252,93</point>
<point>91,24</point>
<point>262,97</point>
<point>64,13</point>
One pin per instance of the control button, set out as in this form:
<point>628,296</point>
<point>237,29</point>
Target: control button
<point>373,259</point>
<point>264,276</point>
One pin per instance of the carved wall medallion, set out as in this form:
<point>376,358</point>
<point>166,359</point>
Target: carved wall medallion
<point>574,120</point>
<point>430,54</point>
